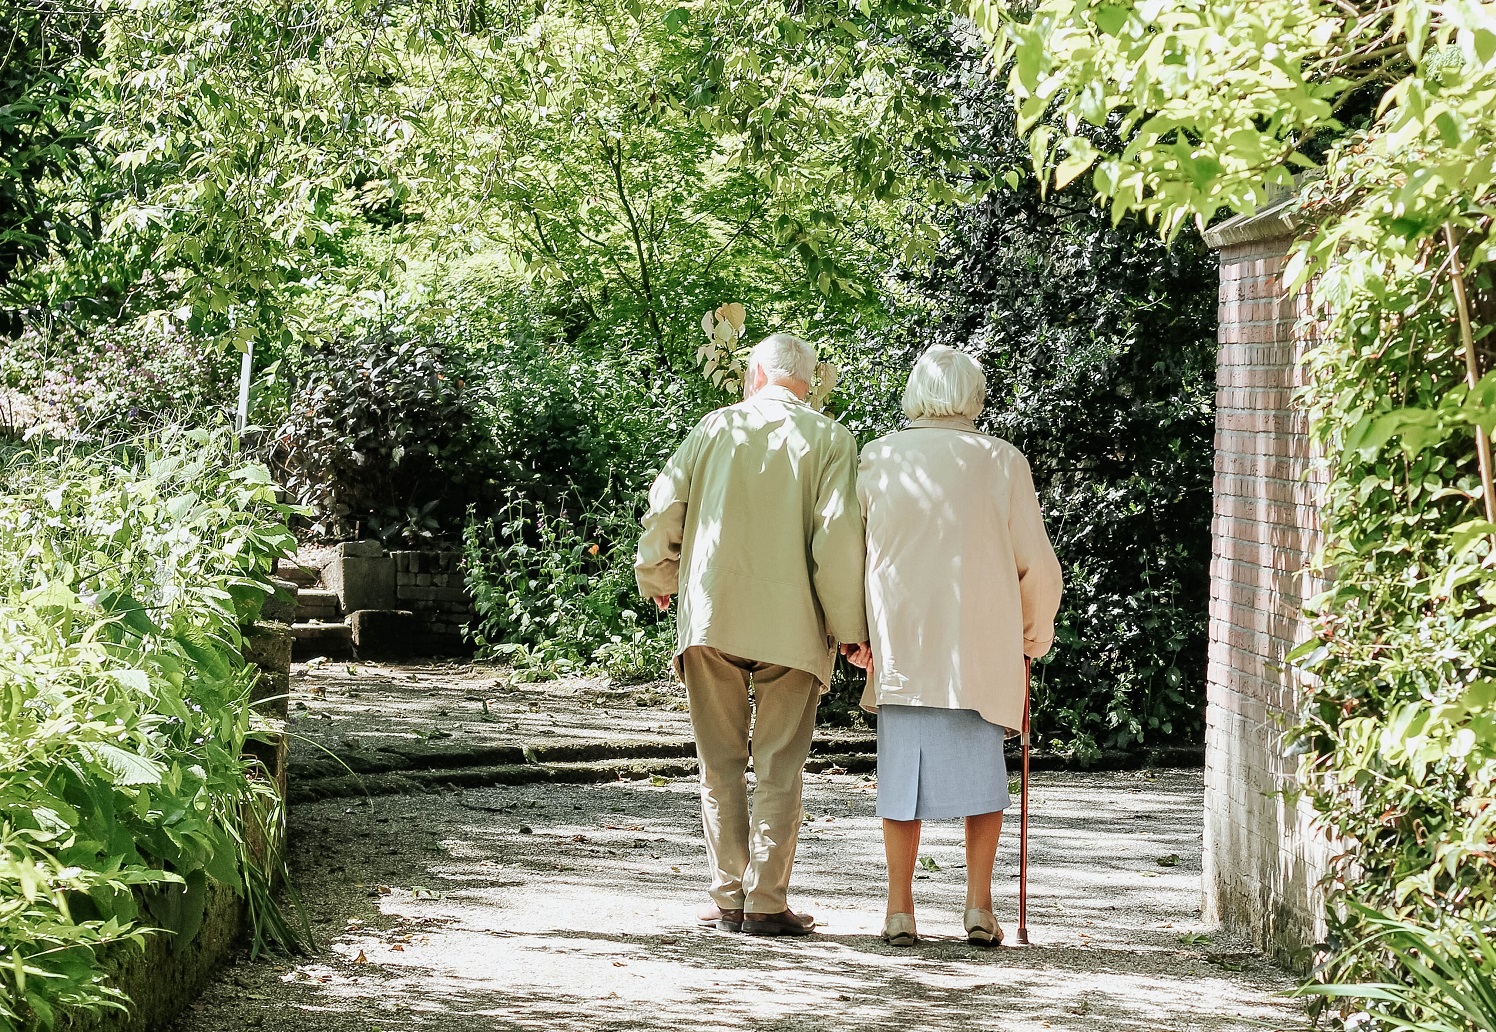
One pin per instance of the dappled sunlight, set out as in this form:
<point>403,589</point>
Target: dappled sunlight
<point>570,908</point>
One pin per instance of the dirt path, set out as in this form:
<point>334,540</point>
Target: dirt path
<point>561,907</point>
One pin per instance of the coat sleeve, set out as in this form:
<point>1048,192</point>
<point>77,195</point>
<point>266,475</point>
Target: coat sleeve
<point>657,562</point>
<point>837,550</point>
<point>1039,577</point>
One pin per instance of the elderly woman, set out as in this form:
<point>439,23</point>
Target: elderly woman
<point>962,589</point>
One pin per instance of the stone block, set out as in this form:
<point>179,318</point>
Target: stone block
<point>429,594</point>
<point>370,548</point>
<point>334,640</point>
<point>383,633</point>
<point>268,647</point>
<point>280,607</point>
<point>362,582</point>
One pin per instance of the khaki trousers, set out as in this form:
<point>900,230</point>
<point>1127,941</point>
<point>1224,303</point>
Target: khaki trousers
<point>750,857</point>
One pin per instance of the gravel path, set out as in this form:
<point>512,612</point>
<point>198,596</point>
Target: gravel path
<point>569,908</point>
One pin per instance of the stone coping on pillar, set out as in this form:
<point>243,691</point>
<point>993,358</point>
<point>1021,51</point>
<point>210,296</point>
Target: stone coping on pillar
<point>1280,218</point>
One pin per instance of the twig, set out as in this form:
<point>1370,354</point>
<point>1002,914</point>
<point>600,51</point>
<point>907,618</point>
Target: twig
<point>1472,374</point>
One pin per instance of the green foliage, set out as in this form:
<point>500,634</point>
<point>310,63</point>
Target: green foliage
<point>125,577</point>
<point>381,439</point>
<point>116,382</point>
<point>43,135</point>
<point>1446,983</point>
<point>555,592</point>
<point>1399,745</point>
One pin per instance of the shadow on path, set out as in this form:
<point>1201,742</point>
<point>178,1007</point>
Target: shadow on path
<point>569,908</point>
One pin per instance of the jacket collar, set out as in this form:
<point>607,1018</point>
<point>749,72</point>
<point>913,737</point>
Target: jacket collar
<point>778,392</point>
<point>945,423</point>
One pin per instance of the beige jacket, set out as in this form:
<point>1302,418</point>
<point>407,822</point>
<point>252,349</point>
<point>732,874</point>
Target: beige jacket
<point>754,522</point>
<point>962,582</point>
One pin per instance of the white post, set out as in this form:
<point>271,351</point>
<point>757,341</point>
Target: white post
<point>246,368</point>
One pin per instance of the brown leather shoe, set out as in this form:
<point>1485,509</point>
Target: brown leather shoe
<point>723,920</point>
<point>786,922</point>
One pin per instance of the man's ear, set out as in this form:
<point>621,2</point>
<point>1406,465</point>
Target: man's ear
<point>757,378</point>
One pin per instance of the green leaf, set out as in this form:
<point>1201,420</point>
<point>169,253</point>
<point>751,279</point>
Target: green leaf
<point>129,768</point>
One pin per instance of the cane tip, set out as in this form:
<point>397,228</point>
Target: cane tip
<point>1023,939</point>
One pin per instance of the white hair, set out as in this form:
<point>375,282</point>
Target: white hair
<point>943,383</point>
<point>783,356</point>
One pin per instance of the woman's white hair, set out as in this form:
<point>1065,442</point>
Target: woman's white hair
<point>944,383</point>
<point>783,356</point>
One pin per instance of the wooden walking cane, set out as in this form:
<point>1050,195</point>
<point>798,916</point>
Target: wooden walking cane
<point>1023,938</point>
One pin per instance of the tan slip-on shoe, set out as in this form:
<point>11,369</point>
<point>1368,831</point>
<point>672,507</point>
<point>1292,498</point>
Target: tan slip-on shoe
<point>898,930</point>
<point>786,922</point>
<point>982,928</point>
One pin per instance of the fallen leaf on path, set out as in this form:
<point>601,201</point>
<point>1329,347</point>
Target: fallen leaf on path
<point>657,781</point>
<point>1171,860</point>
<point>361,959</point>
<point>619,963</point>
<point>397,948</point>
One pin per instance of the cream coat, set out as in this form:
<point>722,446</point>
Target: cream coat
<point>754,522</point>
<point>962,582</point>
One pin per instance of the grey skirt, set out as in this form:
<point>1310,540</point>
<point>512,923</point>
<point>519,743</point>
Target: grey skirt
<point>938,763</point>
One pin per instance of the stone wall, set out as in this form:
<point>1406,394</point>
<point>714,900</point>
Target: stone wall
<point>1262,856</point>
<point>432,586</point>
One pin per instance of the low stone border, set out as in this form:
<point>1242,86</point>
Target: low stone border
<point>407,767</point>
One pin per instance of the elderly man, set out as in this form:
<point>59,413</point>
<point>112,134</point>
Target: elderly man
<point>754,522</point>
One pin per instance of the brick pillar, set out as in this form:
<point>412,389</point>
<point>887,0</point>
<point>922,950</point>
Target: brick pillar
<point>1262,856</point>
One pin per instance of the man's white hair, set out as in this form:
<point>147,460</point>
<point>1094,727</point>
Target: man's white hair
<point>784,356</point>
<point>945,383</point>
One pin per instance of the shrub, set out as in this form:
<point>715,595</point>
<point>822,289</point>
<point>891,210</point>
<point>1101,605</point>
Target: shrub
<point>381,438</point>
<point>125,578</point>
<point>119,381</point>
<point>1444,981</point>
<point>555,593</point>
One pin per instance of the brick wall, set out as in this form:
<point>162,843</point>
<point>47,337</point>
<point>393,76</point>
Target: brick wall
<point>430,584</point>
<point>1262,857</point>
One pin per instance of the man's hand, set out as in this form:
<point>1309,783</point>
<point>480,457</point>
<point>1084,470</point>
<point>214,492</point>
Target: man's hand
<point>663,602</point>
<point>859,655</point>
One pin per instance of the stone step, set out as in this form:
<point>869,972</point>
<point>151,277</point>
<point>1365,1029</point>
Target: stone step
<point>333,640</point>
<point>301,576</point>
<point>317,604</point>
<point>318,598</point>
